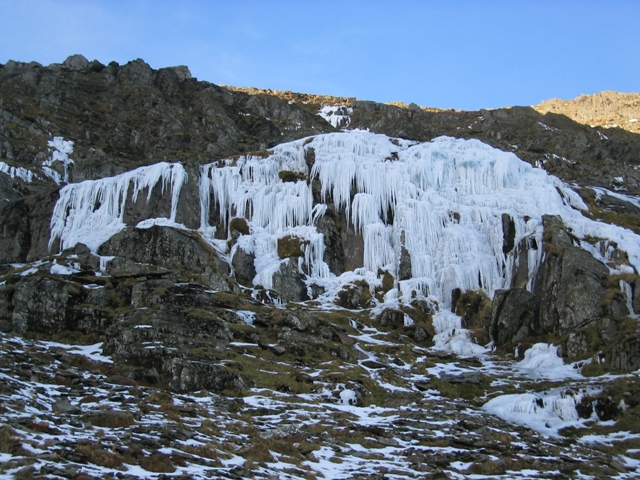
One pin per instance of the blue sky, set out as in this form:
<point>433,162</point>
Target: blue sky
<point>463,54</point>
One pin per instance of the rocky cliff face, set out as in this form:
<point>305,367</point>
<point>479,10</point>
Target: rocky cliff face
<point>240,242</point>
<point>606,109</point>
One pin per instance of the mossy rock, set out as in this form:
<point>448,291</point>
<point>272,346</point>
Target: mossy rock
<point>290,247</point>
<point>239,225</point>
<point>289,176</point>
<point>355,296</point>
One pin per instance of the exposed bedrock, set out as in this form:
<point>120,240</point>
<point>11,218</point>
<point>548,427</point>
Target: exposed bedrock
<point>167,249</point>
<point>24,228</point>
<point>575,302</point>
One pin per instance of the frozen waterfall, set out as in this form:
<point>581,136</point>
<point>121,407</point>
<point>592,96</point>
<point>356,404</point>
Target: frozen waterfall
<point>442,202</point>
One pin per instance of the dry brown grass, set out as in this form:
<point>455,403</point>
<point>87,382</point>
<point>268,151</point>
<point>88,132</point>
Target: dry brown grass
<point>9,442</point>
<point>157,463</point>
<point>109,419</point>
<point>100,456</point>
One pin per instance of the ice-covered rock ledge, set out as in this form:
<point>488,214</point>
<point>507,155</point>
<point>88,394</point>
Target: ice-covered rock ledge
<point>437,216</point>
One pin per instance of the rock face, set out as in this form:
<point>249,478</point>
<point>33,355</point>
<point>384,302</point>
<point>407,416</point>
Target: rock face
<point>514,315</point>
<point>166,248</point>
<point>132,115</point>
<point>84,121</point>
<point>573,283</point>
<point>47,311</point>
<point>24,231</point>
<point>574,299</point>
<point>608,109</point>
<point>157,237</point>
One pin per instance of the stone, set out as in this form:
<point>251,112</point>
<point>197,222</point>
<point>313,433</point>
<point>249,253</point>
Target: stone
<point>288,281</point>
<point>188,376</point>
<point>465,377</point>
<point>163,248</point>
<point>508,233</point>
<point>573,288</point>
<point>64,406</point>
<point>76,62</point>
<point>41,304</point>
<point>243,265</point>
<point>513,315</point>
<point>24,228</point>
<point>625,356</point>
<point>355,296</point>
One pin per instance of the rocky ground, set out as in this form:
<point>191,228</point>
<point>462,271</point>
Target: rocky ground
<point>67,412</point>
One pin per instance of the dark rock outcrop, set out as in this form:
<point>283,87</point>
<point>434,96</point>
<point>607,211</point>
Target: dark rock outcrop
<point>166,249</point>
<point>24,228</point>
<point>572,284</point>
<point>41,304</point>
<point>288,281</point>
<point>573,301</point>
<point>513,315</point>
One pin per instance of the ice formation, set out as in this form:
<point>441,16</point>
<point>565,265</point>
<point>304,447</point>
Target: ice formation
<point>17,172</point>
<point>542,361</point>
<point>336,115</point>
<point>60,151</point>
<point>92,211</point>
<point>545,412</point>
<point>442,201</point>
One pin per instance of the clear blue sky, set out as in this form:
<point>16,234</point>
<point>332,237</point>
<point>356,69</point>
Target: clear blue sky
<point>463,54</point>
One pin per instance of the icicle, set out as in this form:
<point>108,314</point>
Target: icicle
<point>628,296</point>
<point>92,211</point>
<point>444,200</point>
<point>19,172</point>
<point>60,151</point>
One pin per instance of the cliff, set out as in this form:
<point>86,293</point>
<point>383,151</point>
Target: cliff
<point>230,254</point>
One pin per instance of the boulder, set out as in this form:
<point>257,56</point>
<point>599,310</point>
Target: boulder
<point>189,376</point>
<point>76,62</point>
<point>160,249</point>
<point>355,296</point>
<point>243,265</point>
<point>513,315</point>
<point>573,287</point>
<point>288,281</point>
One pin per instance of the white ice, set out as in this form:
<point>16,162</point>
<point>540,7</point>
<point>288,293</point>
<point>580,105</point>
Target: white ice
<point>542,361</point>
<point>545,412</point>
<point>92,211</point>
<point>60,150</point>
<point>17,172</point>
<point>442,202</point>
<point>336,115</point>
